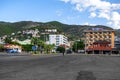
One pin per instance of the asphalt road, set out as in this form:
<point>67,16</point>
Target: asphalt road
<point>58,67</point>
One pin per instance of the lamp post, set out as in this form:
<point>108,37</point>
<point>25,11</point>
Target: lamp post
<point>85,46</point>
<point>76,46</point>
<point>85,43</point>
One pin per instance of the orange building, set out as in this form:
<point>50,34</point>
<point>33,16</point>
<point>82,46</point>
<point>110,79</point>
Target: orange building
<point>99,39</point>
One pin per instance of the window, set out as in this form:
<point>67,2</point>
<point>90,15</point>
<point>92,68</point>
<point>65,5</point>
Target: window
<point>100,32</point>
<point>109,32</point>
<point>109,36</point>
<point>91,32</point>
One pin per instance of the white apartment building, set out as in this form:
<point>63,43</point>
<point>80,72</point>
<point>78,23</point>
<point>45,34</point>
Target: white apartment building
<point>58,39</point>
<point>50,30</point>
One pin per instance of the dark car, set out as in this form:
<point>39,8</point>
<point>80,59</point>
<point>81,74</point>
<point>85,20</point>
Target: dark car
<point>68,51</point>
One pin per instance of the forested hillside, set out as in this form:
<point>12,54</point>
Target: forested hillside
<point>72,31</point>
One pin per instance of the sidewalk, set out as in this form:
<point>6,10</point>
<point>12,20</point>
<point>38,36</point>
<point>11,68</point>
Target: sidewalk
<point>13,54</point>
<point>27,54</point>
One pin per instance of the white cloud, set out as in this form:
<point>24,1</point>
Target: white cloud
<point>79,7</point>
<point>115,20</point>
<point>115,6</point>
<point>109,23</point>
<point>115,16</point>
<point>86,23</point>
<point>100,9</point>
<point>104,15</point>
<point>92,14</point>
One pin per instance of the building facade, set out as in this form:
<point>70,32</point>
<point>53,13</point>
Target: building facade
<point>99,36</point>
<point>11,48</point>
<point>58,39</point>
<point>116,49</point>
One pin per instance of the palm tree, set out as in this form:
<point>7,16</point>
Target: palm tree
<point>41,45</point>
<point>1,47</point>
<point>48,48</point>
<point>34,41</point>
<point>8,40</point>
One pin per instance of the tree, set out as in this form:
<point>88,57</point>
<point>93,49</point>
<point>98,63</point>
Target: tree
<point>27,47</point>
<point>48,48</point>
<point>8,40</point>
<point>41,45</point>
<point>34,41</point>
<point>1,47</point>
<point>38,42</point>
<point>61,49</point>
<point>15,43</point>
<point>78,45</point>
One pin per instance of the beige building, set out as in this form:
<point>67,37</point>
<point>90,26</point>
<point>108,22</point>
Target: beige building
<point>98,34</point>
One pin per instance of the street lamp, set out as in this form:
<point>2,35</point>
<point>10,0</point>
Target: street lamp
<point>76,46</point>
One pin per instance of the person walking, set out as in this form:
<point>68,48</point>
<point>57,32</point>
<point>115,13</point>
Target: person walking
<point>63,51</point>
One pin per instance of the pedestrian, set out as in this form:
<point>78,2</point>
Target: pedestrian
<point>63,51</point>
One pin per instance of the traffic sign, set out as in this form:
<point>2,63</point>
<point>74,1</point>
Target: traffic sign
<point>34,48</point>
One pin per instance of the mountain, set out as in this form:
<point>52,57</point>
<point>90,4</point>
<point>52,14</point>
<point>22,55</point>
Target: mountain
<point>7,28</point>
<point>72,31</point>
<point>119,30</point>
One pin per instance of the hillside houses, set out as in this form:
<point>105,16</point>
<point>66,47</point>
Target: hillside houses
<point>24,37</point>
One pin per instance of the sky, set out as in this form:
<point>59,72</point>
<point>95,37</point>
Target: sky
<point>76,12</point>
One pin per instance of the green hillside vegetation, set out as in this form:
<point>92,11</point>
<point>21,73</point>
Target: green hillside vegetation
<point>72,31</point>
<point>6,28</point>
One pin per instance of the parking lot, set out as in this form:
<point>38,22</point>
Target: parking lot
<point>58,67</point>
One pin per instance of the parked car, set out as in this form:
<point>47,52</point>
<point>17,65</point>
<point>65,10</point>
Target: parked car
<point>12,51</point>
<point>68,51</point>
<point>81,51</point>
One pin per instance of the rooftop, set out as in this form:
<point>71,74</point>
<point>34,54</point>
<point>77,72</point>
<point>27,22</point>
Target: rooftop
<point>98,30</point>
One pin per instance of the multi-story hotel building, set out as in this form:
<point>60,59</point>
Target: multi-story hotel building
<point>99,39</point>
